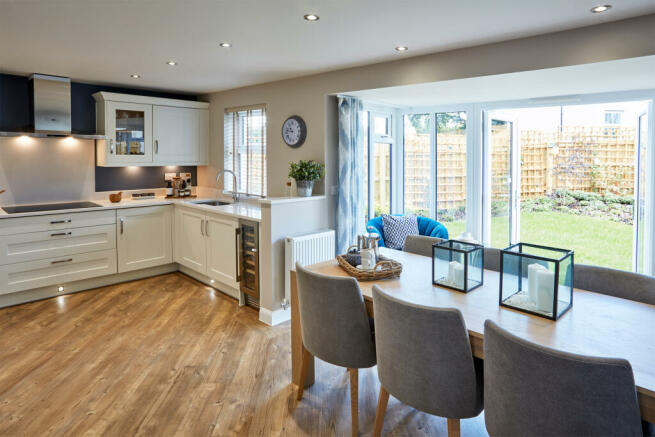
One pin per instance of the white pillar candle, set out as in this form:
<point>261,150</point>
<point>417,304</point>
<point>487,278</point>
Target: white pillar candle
<point>545,290</point>
<point>458,275</point>
<point>533,286</point>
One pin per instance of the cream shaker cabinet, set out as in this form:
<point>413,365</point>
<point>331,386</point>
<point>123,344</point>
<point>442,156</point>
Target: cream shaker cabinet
<point>207,244</point>
<point>221,234</point>
<point>144,237</point>
<point>150,131</point>
<point>181,135</point>
<point>190,239</point>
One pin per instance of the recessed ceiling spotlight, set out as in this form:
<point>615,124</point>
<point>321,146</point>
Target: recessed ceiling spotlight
<point>402,48</point>
<point>171,63</point>
<point>135,76</point>
<point>225,45</point>
<point>600,8</point>
<point>311,17</point>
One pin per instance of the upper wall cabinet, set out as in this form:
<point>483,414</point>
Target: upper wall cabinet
<point>150,131</point>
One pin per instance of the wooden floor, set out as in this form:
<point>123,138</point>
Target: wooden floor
<point>168,356</point>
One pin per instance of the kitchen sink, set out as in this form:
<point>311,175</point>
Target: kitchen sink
<point>210,202</point>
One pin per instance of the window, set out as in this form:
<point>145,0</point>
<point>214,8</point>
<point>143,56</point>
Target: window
<point>378,141</point>
<point>451,171</point>
<point>245,149</point>
<point>417,151</point>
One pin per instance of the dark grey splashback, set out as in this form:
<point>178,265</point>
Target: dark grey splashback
<point>137,178</point>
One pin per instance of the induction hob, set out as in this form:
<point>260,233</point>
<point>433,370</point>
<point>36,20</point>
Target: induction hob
<point>48,207</point>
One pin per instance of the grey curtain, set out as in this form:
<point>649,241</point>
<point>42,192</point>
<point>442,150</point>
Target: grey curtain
<point>350,209</point>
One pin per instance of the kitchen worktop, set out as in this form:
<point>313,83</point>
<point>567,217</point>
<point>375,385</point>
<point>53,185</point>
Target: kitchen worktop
<point>243,210</point>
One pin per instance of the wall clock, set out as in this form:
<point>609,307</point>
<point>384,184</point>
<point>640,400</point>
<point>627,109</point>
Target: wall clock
<point>294,131</point>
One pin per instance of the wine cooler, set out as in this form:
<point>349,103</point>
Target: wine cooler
<point>249,262</point>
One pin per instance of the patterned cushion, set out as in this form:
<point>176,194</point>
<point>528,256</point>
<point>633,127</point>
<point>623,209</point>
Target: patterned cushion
<point>397,228</point>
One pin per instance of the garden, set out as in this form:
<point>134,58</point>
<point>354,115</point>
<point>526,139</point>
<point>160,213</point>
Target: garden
<point>597,227</point>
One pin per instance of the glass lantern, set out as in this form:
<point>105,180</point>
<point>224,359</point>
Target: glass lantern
<point>458,265</point>
<point>536,279</point>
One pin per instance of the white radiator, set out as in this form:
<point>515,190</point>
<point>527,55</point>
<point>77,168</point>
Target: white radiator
<point>306,249</point>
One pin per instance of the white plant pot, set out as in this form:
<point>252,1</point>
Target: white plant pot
<point>305,188</point>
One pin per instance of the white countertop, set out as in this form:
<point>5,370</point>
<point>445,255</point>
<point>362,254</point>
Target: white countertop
<point>244,210</point>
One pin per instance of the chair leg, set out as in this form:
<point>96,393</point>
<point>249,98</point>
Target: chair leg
<point>306,356</point>
<point>453,428</point>
<point>354,400</point>
<point>379,414</point>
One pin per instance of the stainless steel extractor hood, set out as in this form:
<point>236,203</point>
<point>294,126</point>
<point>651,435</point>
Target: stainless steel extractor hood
<point>51,109</point>
<point>51,102</point>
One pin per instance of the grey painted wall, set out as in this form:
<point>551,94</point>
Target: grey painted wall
<point>311,96</point>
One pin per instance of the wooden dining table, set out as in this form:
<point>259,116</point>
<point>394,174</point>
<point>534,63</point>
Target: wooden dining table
<point>597,324</point>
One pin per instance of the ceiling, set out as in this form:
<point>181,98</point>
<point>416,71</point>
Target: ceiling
<point>108,40</point>
<point>621,75</point>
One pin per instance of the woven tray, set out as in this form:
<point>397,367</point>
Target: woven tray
<point>386,268</point>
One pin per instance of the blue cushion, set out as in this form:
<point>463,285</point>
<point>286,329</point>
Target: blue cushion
<point>426,226</point>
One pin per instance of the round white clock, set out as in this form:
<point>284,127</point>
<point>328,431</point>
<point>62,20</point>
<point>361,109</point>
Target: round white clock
<point>294,131</point>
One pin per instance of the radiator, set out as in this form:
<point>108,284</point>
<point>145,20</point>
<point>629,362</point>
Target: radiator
<point>306,249</point>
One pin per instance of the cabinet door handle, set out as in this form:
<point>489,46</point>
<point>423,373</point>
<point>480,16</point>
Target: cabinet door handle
<point>122,225</point>
<point>111,146</point>
<point>61,261</point>
<point>58,222</point>
<point>60,234</point>
<point>206,228</point>
<point>202,223</point>
<point>237,232</point>
<point>156,146</point>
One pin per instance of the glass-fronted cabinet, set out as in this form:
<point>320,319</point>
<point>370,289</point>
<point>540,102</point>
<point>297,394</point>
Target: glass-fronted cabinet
<point>128,127</point>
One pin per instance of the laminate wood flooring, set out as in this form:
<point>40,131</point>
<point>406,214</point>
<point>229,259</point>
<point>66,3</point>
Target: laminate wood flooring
<point>168,356</point>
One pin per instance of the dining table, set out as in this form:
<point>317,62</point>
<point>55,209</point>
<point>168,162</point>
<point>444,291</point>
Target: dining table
<point>596,325</point>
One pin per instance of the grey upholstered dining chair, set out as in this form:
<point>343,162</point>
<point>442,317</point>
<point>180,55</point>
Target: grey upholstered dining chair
<point>492,259</point>
<point>618,283</point>
<point>420,244</point>
<point>531,390</point>
<point>335,328</point>
<point>425,361</point>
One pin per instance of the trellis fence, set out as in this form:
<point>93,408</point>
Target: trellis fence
<point>597,159</point>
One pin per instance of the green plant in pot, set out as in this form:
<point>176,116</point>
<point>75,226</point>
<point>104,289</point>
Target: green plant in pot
<point>306,173</point>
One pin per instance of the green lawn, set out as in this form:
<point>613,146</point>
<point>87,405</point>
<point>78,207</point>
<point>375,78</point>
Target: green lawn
<point>595,241</point>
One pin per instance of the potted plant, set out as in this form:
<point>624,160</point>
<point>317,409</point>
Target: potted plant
<point>306,173</point>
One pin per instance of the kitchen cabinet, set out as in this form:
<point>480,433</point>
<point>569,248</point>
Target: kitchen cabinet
<point>144,237</point>
<point>151,131</point>
<point>56,243</point>
<point>222,249</point>
<point>181,135</point>
<point>128,127</point>
<point>208,244</point>
<point>53,271</point>
<point>190,239</point>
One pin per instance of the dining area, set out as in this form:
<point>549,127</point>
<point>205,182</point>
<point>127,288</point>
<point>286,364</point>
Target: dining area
<point>464,344</point>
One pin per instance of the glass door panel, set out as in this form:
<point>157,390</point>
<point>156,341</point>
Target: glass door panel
<point>640,194</point>
<point>130,132</point>
<point>503,193</point>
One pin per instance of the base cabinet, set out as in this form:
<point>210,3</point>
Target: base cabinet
<point>144,237</point>
<point>222,249</point>
<point>208,244</point>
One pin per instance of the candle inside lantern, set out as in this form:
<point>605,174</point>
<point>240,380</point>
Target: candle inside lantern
<point>545,290</point>
<point>533,286</point>
<point>456,274</point>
